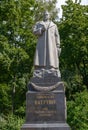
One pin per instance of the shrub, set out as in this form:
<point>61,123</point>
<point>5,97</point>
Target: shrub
<point>10,122</point>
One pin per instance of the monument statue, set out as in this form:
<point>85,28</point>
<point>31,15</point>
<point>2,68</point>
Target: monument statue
<point>48,45</point>
<point>45,99</point>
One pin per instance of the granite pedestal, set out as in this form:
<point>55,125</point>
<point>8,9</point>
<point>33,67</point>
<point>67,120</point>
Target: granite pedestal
<point>45,110</point>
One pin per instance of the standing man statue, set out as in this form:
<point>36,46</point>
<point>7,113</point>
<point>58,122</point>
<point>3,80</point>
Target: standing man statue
<point>48,46</point>
<point>45,99</point>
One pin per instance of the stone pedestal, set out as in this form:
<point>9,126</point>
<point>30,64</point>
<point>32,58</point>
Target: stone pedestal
<point>46,126</point>
<point>46,110</point>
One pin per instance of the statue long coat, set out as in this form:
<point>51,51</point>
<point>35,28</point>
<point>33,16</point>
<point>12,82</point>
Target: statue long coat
<point>46,54</point>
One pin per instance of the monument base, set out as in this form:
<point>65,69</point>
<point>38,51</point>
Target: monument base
<point>45,126</point>
<point>46,110</point>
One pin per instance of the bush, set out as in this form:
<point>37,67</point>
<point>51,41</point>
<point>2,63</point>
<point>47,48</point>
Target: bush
<point>10,122</point>
<point>78,111</point>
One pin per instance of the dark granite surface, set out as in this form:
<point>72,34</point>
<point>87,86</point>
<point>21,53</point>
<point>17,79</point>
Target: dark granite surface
<point>45,110</point>
<point>45,107</point>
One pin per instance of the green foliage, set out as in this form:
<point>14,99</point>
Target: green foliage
<point>74,42</point>
<point>17,45</point>
<point>10,122</point>
<point>5,102</point>
<point>78,111</point>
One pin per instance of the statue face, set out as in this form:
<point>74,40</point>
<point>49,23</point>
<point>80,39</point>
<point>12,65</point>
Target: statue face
<point>46,16</point>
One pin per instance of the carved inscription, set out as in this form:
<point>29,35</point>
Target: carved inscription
<point>42,99</point>
<point>46,107</point>
<point>42,106</point>
<point>44,102</point>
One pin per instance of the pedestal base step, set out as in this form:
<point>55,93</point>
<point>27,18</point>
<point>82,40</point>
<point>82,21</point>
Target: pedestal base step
<point>46,126</point>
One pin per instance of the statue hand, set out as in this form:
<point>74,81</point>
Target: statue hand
<point>43,28</point>
<point>40,31</point>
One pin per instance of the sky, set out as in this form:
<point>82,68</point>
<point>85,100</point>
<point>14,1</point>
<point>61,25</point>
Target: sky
<point>62,2</point>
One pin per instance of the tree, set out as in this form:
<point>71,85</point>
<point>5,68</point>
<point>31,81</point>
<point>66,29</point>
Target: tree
<point>74,42</point>
<point>15,47</point>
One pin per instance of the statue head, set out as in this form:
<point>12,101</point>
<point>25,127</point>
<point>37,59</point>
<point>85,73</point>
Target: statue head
<point>46,16</point>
